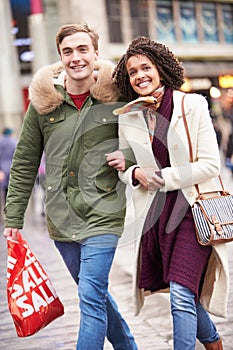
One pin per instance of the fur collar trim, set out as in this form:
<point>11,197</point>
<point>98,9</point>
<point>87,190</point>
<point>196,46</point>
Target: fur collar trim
<point>45,98</point>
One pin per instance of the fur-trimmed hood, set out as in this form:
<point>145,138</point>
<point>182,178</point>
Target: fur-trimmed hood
<point>46,98</point>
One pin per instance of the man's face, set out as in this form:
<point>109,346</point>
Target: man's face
<point>78,56</point>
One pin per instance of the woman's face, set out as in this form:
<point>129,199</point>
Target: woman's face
<point>143,75</point>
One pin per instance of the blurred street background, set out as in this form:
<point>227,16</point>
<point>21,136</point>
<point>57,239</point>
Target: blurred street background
<point>200,33</point>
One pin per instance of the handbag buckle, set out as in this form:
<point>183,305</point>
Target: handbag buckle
<point>217,225</point>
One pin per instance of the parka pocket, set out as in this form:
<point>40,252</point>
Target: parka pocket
<point>52,186</point>
<point>56,201</point>
<point>55,127</point>
<point>53,190</point>
<point>57,207</point>
<point>100,131</point>
<point>107,183</point>
<point>56,117</point>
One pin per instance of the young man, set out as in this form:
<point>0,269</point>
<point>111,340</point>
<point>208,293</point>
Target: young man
<point>85,202</point>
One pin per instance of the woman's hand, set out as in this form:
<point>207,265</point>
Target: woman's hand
<point>116,159</point>
<point>148,178</point>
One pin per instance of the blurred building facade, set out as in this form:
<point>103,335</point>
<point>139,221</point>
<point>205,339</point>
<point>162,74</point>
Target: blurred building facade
<point>200,33</point>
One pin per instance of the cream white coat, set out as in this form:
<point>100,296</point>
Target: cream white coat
<point>182,175</point>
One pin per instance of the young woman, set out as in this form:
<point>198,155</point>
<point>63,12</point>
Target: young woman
<point>169,256</point>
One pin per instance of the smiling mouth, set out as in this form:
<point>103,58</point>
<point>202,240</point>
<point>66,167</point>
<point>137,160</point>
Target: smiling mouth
<point>78,67</point>
<point>144,84</point>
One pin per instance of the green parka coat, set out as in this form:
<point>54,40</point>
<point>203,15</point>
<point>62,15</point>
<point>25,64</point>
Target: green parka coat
<point>84,196</point>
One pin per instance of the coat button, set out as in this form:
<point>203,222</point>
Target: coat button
<point>49,188</point>
<point>51,119</point>
<point>109,189</point>
<point>175,146</point>
<point>190,194</point>
<point>104,120</point>
<point>71,173</point>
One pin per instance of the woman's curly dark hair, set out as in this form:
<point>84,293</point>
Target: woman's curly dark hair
<point>170,69</point>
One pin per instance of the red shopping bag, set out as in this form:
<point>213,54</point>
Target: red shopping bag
<point>32,300</point>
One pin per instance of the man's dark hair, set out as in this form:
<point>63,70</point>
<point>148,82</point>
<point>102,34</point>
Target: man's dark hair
<point>69,29</point>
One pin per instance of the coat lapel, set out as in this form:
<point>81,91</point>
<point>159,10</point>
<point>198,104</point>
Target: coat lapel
<point>134,126</point>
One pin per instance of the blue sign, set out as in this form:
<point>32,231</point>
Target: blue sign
<point>20,12</point>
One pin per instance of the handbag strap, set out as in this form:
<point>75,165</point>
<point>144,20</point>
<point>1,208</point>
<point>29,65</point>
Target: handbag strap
<point>190,146</point>
<point>187,130</point>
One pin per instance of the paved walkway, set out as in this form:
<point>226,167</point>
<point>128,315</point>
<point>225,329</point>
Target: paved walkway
<point>152,328</point>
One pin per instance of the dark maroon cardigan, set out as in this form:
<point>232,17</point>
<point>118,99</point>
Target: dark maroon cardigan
<point>170,250</point>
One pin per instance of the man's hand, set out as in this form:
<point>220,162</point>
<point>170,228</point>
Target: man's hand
<point>116,160</point>
<point>148,178</point>
<point>11,232</point>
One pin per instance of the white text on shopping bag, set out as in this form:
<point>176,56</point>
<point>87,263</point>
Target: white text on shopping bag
<point>34,289</point>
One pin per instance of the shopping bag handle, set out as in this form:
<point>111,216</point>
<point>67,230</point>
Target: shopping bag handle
<point>19,238</point>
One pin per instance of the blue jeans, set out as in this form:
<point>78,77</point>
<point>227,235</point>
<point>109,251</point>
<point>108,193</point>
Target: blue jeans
<point>190,320</point>
<point>89,263</point>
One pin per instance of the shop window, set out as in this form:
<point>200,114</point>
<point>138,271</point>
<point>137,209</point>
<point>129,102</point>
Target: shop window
<point>188,23</point>
<point>227,27</point>
<point>20,12</point>
<point>139,17</point>
<point>209,22</point>
<point>165,24</point>
<point>113,8</point>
